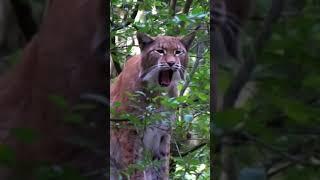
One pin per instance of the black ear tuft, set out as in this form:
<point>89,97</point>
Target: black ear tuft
<point>187,40</point>
<point>144,40</point>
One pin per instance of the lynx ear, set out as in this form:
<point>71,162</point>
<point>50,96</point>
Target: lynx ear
<point>187,40</point>
<point>144,40</point>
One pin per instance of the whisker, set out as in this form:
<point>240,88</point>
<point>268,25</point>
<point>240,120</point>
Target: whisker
<point>181,74</point>
<point>182,68</point>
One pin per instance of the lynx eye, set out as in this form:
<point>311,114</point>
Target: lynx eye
<point>178,52</point>
<point>160,51</point>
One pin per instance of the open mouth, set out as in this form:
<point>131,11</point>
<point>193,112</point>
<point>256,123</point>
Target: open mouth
<point>165,77</point>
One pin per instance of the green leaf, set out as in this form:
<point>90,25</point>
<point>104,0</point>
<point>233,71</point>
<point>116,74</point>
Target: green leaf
<point>80,107</point>
<point>312,81</point>
<point>7,155</point>
<point>74,118</point>
<point>26,135</point>
<point>203,96</point>
<point>59,101</point>
<point>228,118</point>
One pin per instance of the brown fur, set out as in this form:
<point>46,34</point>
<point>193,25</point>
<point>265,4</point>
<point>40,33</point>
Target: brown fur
<point>60,60</point>
<point>125,143</point>
<point>128,81</point>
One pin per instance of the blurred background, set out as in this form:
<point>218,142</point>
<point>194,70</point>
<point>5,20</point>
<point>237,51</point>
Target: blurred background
<point>267,125</point>
<point>19,21</point>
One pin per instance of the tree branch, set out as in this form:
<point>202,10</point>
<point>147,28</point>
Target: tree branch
<point>187,6</point>
<point>173,4</point>
<point>274,149</point>
<point>274,171</point>
<point>200,51</point>
<point>132,17</point>
<point>243,75</point>
<point>193,149</point>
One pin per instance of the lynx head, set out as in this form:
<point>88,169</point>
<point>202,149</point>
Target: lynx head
<point>164,58</point>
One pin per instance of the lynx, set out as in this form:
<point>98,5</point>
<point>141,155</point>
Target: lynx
<point>162,63</point>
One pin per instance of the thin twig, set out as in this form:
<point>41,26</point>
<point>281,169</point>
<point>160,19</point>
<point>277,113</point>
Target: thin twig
<point>275,171</point>
<point>200,51</point>
<point>193,149</point>
<point>273,149</point>
<point>175,142</point>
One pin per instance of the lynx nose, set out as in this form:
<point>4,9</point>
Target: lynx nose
<point>171,63</point>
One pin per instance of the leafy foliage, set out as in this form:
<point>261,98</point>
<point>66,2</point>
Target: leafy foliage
<point>275,131</point>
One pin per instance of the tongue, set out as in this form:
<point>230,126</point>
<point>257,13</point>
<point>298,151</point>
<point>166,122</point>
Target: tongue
<point>165,78</point>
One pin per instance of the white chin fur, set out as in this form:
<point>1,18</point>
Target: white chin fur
<point>175,77</point>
